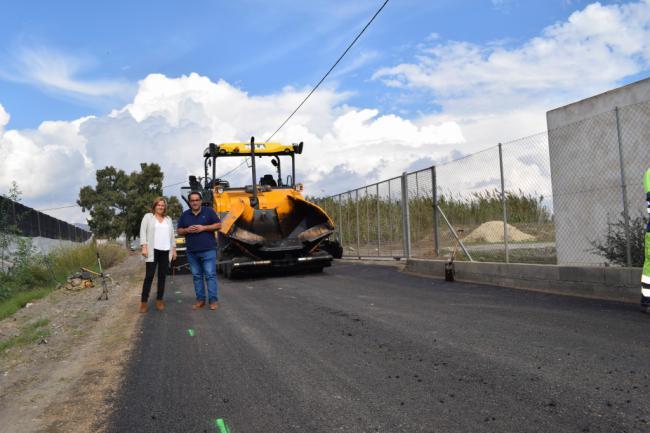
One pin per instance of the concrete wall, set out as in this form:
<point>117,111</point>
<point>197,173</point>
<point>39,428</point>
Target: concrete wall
<point>45,245</point>
<point>585,166</point>
<point>41,246</point>
<point>611,283</point>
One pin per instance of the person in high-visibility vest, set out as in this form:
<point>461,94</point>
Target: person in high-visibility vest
<point>645,276</point>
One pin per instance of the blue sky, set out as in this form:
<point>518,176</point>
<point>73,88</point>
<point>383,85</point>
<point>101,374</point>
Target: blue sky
<point>259,46</point>
<point>84,85</point>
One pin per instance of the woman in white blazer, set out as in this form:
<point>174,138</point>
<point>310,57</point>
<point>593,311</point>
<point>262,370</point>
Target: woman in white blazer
<point>159,249</point>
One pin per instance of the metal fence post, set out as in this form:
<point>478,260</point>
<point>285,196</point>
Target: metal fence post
<point>378,223</point>
<point>38,221</point>
<point>340,220</point>
<point>390,226</point>
<point>405,216</point>
<point>434,189</point>
<point>505,207</point>
<point>356,207</point>
<point>367,222</point>
<point>417,221</point>
<point>626,213</point>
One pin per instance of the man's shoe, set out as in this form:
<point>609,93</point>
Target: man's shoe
<point>143,307</point>
<point>198,304</point>
<point>160,304</point>
<point>214,305</point>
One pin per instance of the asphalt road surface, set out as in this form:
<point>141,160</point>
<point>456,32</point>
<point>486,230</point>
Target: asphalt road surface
<point>362,348</point>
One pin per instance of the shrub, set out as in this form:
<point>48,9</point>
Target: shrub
<point>33,275</point>
<point>614,246</point>
<point>69,259</point>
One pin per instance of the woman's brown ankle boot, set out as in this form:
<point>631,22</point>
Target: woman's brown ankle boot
<point>143,307</point>
<point>160,305</point>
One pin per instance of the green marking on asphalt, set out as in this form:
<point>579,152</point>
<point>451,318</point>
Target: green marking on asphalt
<point>190,332</point>
<point>179,301</point>
<point>220,423</point>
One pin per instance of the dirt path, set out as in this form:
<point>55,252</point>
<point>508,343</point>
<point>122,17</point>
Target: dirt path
<point>65,381</point>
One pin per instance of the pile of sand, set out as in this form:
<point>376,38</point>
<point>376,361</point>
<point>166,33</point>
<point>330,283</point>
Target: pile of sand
<point>492,231</point>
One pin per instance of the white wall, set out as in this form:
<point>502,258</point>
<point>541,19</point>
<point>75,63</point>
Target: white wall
<point>585,166</point>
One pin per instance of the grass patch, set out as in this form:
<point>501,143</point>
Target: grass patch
<point>29,334</point>
<point>38,275</point>
<point>381,214</point>
<point>20,299</point>
<point>540,256</point>
<point>69,259</point>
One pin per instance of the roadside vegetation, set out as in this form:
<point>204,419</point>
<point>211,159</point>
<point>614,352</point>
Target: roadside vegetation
<point>25,274</point>
<point>381,218</point>
<point>613,245</point>
<point>32,276</point>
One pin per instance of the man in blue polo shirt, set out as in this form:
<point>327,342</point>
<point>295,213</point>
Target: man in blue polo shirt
<point>198,225</point>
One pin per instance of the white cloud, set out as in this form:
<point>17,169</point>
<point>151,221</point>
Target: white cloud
<point>591,52</point>
<point>500,90</point>
<point>171,120</point>
<point>4,117</point>
<point>47,161</point>
<point>59,72</point>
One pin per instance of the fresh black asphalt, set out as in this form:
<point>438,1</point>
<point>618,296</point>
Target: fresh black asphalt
<point>363,348</point>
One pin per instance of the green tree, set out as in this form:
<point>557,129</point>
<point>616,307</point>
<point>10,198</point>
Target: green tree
<point>106,202</point>
<point>119,201</point>
<point>174,207</point>
<point>143,188</point>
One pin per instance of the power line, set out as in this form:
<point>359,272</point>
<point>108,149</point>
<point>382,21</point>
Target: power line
<point>173,184</point>
<point>236,168</point>
<point>57,208</point>
<point>317,84</point>
<point>330,70</point>
<point>76,205</point>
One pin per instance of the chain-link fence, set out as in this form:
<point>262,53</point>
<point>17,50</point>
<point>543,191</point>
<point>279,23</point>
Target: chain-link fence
<point>572,195</point>
<point>32,223</point>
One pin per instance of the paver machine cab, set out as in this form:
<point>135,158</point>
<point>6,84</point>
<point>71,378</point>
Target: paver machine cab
<point>268,224</point>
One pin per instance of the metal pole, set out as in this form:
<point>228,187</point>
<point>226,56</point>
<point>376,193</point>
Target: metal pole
<point>367,223</point>
<point>626,213</point>
<point>356,207</point>
<point>378,222</point>
<point>505,207</point>
<point>38,221</point>
<point>405,216</point>
<point>436,233</point>
<point>340,220</point>
<point>253,199</point>
<point>390,226</point>
<point>453,232</point>
<point>418,222</point>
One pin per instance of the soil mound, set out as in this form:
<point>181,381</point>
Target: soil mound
<point>492,232</point>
